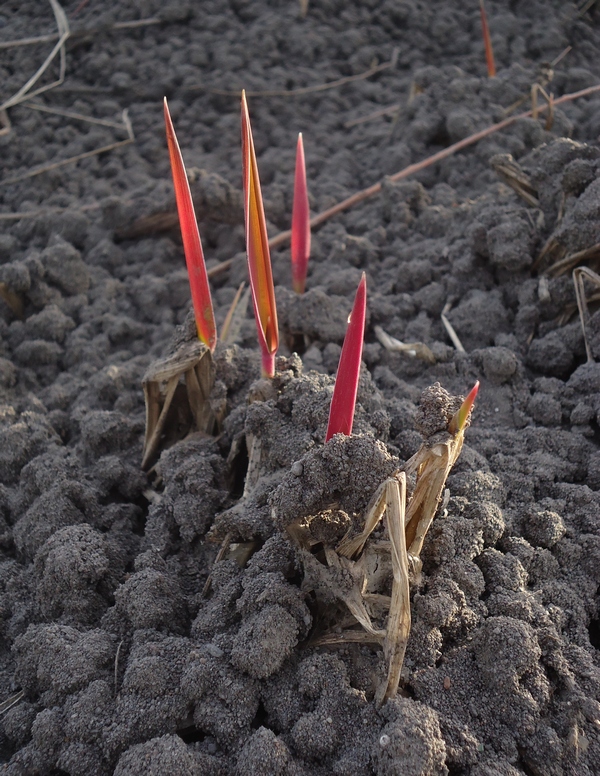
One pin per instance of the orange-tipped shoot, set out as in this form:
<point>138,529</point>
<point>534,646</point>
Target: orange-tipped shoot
<point>257,247</point>
<point>487,42</point>
<point>460,418</point>
<point>300,223</point>
<point>192,247</point>
<point>343,401</point>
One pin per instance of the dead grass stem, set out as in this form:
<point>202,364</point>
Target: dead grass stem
<point>579,276</point>
<point>412,169</point>
<point>132,25</point>
<point>78,158</point>
<point>64,32</point>
<point>310,89</point>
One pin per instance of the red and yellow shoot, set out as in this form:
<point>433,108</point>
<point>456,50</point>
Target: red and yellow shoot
<point>487,42</point>
<point>459,421</point>
<point>343,402</point>
<point>257,246</point>
<point>300,223</point>
<point>192,247</point>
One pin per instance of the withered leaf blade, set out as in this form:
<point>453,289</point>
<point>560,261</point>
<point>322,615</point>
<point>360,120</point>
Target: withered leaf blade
<point>162,385</point>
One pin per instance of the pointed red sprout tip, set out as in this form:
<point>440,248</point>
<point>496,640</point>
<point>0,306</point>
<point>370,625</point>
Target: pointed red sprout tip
<point>192,247</point>
<point>487,42</point>
<point>257,246</point>
<point>300,222</point>
<point>343,402</point>
<point>460,418</point>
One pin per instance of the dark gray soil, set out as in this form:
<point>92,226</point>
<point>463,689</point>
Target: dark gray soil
<point>121,661</point>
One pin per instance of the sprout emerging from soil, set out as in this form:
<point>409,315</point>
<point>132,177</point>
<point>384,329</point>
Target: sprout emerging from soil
<point>459,421</point>
<point>487,42</point>
<point>257,246</point>
<point>300,223</point>
<point>353,567</point>
<point>343,402</point>
<point>192,247</point>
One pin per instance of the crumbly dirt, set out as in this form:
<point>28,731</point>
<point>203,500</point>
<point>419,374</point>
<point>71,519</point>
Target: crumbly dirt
<point>128,648</point>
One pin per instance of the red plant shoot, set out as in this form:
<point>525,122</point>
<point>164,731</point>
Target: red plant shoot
<point>343,402</point>
<point>192,247</point>
<point>257,246</point>
<point>487,42</point>
<point>300,223</point>
<point>459,421</point>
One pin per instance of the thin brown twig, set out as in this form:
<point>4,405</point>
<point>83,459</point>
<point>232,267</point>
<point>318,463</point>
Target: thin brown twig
<point>585,8</point>
<point>561,56</point>
<point>225,328</point>
<point>308,89</point>
<point>79,8</point>
<point>63,33</point>
<point>370,191</point>
<point>136,23</point>
<point>8,44</point>
<point>116,672</point>
<point>10,702</point>
<point>450,330</point>
<point>282,237</point>
<point>78,158</point>
<point>72,115</point>
<point>46,211</point>
<point>216,270</point>
<point>80,33</point>
<point>371,116</point>
<point>5,125</point>
<point>64,162</point>
<point>572,260</point>
<point>393,108</point>
<point>223,549</point>
<point>579,276</point>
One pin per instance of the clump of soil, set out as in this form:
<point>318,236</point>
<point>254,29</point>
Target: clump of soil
<point>130,644</point>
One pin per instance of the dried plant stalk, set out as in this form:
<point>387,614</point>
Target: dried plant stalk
<point>572,260</point>
<point>283,237</point>
<point>132,25</point>
<point>414,349</point>
<point>64,32</point>
<point>353,597</point>
<point>311,89</point>
<point>450,328</point>
<point>11,701</point>
<point>235,315</point>
<point>350,547</point>
<point>194,362</point>
<point>511,173</point>
<point>432,472</point>
<point>69,114</point>
<point>371,191</point>
<point>579,276</point>
<point>79,157</point>
<point>5,125</point>
<point>398,625</point>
